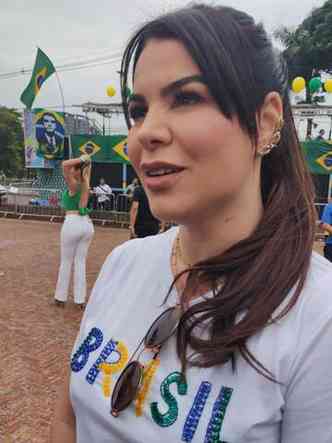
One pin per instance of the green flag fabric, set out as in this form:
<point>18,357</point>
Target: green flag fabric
<point>318,155</point>
<point>42,70</point>
<point>102,148</point>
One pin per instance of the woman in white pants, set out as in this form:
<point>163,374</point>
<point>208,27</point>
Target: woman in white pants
<point>77,230</point>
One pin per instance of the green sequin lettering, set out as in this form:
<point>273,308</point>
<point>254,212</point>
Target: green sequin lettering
<point>171,415</point>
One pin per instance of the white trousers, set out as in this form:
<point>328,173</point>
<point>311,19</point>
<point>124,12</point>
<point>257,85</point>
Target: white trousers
<point>76,235</point>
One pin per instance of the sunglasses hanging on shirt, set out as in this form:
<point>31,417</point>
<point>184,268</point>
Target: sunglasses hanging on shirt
<point>129,382</point>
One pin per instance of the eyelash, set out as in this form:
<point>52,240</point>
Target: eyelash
<point>181,98</point>
<point>136,111</point>
<point>186,98</point>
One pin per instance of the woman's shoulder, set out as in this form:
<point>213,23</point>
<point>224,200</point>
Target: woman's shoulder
<point>313,308</point>
<point>137,253</point>
<point>319,278</point>
<point>306,334</point>
<point>314,305</point>
<point>137,257</point>
<point>148,247</point>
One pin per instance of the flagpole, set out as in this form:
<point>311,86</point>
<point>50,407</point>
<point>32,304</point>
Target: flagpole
<point>64,111</point>
<point>61,91</point>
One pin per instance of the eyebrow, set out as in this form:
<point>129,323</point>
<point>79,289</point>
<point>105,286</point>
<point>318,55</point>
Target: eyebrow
<point>168,89</point>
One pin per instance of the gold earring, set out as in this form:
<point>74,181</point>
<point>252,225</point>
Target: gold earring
<point>276,136</point>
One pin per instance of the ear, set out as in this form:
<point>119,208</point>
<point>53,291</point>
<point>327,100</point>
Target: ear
<point>268,119</point>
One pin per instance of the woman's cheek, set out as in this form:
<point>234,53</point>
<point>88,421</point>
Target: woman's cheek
<point>132,152</point>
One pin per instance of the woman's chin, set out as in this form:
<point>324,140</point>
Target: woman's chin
<point>169,214</point>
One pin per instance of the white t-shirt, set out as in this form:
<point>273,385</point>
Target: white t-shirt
<point>216,404</point>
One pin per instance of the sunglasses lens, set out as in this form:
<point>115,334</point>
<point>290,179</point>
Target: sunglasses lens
<point>126,387</point>
<point>162,328</point>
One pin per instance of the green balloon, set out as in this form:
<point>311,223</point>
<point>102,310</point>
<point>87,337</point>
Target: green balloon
<point>315,84</point>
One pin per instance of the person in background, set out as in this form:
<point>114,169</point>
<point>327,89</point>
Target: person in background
<point>2,177</point>
<point>77,230</point>
<point>321,135</point>
<point>103,192</point>
<point>326,226</point>
<point>131,188</point>
<point>142,221</point>
<point>220,329</point>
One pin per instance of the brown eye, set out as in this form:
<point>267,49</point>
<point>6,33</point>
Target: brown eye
<point>187,98</point>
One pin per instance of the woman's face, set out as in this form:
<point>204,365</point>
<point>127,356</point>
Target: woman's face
<point>191,159</point>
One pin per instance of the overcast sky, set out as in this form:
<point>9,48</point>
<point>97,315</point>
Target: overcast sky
<point>77,30</point>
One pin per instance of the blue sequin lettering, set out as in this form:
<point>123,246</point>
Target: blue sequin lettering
<point>90,344</point>
<point>196,411</point>
<point>218,415</point>
<point>95,368</point>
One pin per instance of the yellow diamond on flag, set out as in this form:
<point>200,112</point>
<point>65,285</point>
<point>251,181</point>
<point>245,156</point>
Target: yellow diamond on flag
<point>122,149</point>
<point>90,148</point>
<point>325,161</point>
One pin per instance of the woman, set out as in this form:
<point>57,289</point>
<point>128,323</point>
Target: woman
<point>77,230</point>
<point>239,350</point>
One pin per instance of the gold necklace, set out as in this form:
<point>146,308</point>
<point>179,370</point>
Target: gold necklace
<point>178,253</point>
<point>175,256</point>
<point>181,282</point>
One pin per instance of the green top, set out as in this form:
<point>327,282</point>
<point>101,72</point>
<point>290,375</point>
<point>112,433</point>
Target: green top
<point>71,202</point>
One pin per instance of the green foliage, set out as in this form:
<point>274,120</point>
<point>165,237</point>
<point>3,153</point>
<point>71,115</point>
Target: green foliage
<point>11,143</point>
<point>309,47</point>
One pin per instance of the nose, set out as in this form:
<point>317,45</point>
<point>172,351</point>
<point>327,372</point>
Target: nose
<point>154,131</point>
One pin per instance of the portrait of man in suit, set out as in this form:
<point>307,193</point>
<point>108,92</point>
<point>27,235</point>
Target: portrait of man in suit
<point>50,136</point>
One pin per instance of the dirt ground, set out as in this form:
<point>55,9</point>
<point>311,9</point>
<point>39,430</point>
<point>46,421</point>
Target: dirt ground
<point>36,336</point>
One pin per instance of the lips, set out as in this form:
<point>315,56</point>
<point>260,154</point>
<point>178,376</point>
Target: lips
<point>159,169</point>
<point>160,176</point>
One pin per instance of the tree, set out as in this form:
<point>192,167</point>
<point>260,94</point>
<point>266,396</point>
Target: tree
<point>308,48</point>
<point>11,142</point>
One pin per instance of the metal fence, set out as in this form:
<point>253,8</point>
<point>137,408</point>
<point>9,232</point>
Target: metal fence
<point>27,202</point>
<point>18,183</point>
<point>115,202</point>
<point>46,203</point>
<point>122,203</point>
<point>107,205</point>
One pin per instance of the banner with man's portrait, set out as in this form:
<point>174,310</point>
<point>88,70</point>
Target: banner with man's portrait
<point>44,133</point>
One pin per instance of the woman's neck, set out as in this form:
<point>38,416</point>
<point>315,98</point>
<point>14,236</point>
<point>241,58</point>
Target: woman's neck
<point>212,236</point>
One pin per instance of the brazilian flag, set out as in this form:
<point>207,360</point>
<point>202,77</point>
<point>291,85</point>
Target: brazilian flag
<point>42,70</point>
<point>102,148</point>
<point>318,155</point>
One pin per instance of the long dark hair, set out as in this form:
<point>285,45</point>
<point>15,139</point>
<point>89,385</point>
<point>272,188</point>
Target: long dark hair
<point>240,67</point>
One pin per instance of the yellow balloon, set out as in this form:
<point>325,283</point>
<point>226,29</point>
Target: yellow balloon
<point>111,91</point>
<point>298,84</point>
<point>328,85</point>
